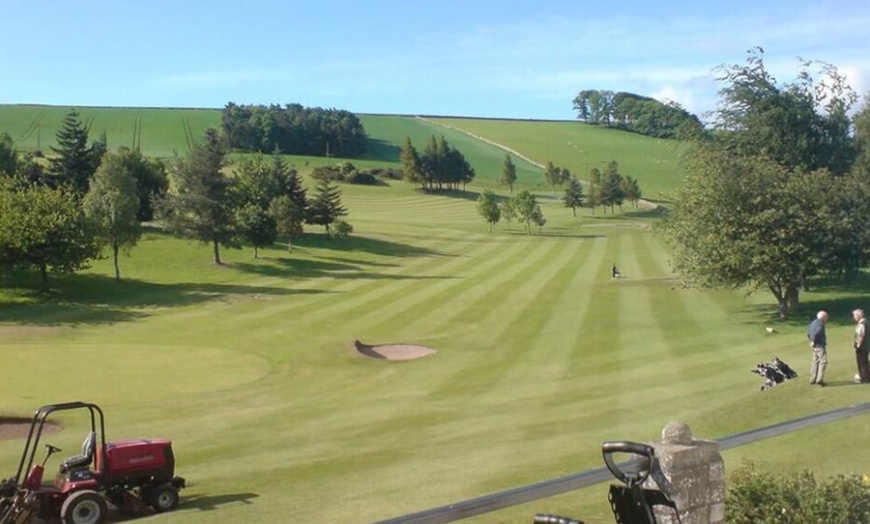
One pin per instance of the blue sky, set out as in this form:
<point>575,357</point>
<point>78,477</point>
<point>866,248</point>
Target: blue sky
<point>508,58</point>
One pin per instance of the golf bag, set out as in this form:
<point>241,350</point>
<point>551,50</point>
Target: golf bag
<point>774,372</point>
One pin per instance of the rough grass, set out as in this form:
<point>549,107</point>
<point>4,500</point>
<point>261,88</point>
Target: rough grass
<point>541,357</point>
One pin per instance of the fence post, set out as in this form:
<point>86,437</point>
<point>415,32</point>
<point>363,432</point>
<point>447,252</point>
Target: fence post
<point>692,473</point>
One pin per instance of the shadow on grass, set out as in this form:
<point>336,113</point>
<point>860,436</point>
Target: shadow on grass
<point>451,193</point>
<point>97,299</point>
<point>854,291</point>
<point>550,234</point>
<point>303,268</point>
<point>362,244</point>
<point>212,502</point>
<point>378,149</point>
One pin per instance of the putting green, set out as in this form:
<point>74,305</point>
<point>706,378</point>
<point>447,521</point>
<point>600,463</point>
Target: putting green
<point>120,372</point>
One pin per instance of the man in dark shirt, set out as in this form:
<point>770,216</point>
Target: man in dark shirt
<point>862,347</point>
<point>819,343</point>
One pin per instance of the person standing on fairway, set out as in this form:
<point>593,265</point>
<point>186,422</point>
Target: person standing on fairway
<point>819,343</point>
<point>862,348</point>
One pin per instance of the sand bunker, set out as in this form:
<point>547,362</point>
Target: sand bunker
<point>18,427</point>
<point>392,351</point>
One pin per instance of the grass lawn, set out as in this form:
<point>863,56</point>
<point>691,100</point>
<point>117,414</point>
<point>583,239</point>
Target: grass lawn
<point>540,357</point>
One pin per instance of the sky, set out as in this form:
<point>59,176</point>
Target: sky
<point>496,59</point>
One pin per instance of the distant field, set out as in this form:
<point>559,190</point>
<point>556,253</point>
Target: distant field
<point>164,133</point>
<point>581,147</point>
<point>540,356</point>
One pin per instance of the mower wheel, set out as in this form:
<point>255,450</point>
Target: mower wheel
<point>163,498</point>
<point>84,507</point>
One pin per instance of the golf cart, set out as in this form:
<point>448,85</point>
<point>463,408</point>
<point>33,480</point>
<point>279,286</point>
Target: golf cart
<point>134,475</point>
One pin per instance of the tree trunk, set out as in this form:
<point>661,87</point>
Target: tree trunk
<point>43,273</point>
<point>115,261</point>
<point>792,297</point>
<point>217,252</point>
<point>787,299</point>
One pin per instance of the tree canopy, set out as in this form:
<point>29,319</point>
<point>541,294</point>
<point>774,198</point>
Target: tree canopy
<point>767,202</point>
<point>198,205</point>
<point>487,206</point>
<point>44,228</point>
<point>525,207</point>
<point>325,206</point>
<point>294,129</point>
<point>635,113</point>
<point>73,162</point>
<point>112,203</point>
<point>441,166</point>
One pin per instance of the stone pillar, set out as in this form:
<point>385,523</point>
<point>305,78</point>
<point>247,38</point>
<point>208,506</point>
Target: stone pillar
<point>692,473</point>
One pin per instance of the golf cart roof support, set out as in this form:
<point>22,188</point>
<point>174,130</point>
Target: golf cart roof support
<point>38,422</point>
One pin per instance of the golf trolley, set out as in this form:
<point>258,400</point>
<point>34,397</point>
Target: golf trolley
<point>629,501</point>
<point>133,475</point>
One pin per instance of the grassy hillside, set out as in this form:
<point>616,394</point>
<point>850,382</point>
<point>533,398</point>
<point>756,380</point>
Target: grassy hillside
<point>540,357</point>
<point>164,132</point>
<point>581,147</point>
<point>160,132</point>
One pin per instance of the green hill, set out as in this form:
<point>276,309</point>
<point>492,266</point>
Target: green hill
<point>163,132</point>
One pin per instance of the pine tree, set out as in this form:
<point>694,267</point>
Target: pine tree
<point>325,207</point>
<point>73,163</point>
<point>200,205</point>
<point>412,170</point>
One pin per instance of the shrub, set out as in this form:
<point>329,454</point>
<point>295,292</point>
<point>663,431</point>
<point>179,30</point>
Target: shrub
<point>757,496</point>
<point>333,174</point>
<point>361,177</point>
<point>342,229</point>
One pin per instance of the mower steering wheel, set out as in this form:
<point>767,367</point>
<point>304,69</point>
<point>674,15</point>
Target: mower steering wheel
<point>52,449</point>
<point>638,469</point>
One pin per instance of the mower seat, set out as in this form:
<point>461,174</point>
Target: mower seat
<point>83,460</point>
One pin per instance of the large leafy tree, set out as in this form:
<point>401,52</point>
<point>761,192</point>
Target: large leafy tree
<point>325,206</point>
<point>803,124</point>
<point>766,203</point>
<point>751,222</point>
<point>271,199</point>
<point>257,226</point>
<point>112,203</point>
<point>150,176</point>
<point>861,122</point>
<point>487,206</point>
<point>200,204</point>
<point>73,162</point>
<point>44,229</point>
<point>527,209</point>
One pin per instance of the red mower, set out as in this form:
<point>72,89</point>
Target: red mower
<point>134,475</point>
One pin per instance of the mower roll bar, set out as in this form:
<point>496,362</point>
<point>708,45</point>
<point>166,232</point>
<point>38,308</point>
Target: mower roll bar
<point>38,422</point>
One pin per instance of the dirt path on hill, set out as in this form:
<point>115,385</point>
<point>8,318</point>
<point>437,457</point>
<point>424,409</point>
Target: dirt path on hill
<point>646,204</point>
